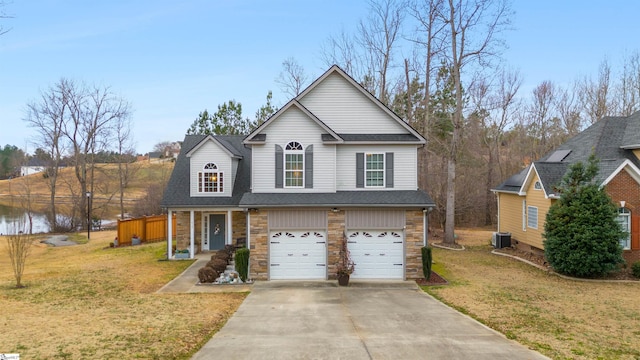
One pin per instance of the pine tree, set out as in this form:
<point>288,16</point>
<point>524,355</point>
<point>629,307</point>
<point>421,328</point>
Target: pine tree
<point>582,236</point>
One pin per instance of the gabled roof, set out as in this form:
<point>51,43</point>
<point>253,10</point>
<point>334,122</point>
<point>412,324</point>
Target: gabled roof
<point>335,69</point>
<point>256,137</point>
<point>220,141</point>
<point>177,193</point>
<point>610,139</point>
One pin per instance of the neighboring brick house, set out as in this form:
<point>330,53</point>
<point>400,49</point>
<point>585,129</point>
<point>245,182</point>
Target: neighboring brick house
<point>524,199</point>
<point>334,162</point>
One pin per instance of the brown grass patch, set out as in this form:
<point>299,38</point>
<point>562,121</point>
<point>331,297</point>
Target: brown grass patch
<point>557,317</point>
<point>91,301</point>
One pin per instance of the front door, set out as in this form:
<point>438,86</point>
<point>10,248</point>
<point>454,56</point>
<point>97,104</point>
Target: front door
<point>216,232</point>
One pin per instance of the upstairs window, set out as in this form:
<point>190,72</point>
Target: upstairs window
<point>210,179</point>
<point>374,170</point>
<point>294,165</point>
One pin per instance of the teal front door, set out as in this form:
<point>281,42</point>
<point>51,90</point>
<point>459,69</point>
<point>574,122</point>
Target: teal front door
<point>216,232</point>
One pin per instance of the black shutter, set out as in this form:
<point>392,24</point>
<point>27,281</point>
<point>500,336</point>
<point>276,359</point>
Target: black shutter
<point>388,163</point>
<point>359,170</point>
<point>308,167</point>
<point>279,167</point>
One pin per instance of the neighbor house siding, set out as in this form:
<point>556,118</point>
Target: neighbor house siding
<point>511,215</point>
<point>293,125</point>
<point>210,152</point>
<point>536,198</point>
<point>345,109</point>
<point>405,159</point>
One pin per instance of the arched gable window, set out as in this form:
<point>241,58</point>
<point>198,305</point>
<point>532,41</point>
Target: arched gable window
<point>210,179</point>
<point>294,165</point>
<point>624,219</point>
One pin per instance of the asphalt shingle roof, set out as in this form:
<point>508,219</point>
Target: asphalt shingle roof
<point>387,198</point>
<point>177,192</point>
<point>606,139</point>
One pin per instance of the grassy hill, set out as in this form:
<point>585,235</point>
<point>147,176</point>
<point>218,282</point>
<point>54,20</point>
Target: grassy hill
<point>105,192</point>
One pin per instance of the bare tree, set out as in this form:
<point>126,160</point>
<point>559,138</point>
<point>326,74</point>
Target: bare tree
<point>628,89</point>
<point>126,152</point>
<point>4,15</point>
<point>378,36</point>
<point>430,27</point>
<point>292,78</point>
<point>340,49</point>
<point>596,95</point>
<point>18,247</point>
<point>473,38</point>
<point>48,117</point>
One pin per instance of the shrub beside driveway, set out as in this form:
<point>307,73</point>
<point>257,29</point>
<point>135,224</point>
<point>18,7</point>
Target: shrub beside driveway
<point>558,317</point>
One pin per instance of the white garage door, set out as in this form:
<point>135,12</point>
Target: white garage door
<point>298,255</point>
<point>377,254</point>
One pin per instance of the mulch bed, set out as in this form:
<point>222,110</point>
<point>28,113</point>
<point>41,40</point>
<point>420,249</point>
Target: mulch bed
<point>435,279</point>
<point>622,274</point>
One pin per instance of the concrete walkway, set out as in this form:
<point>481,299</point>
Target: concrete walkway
<point>187,282</point>
<point>367,320</point>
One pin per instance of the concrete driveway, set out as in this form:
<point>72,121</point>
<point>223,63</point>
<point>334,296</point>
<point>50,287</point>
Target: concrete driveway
<point>368,320</point>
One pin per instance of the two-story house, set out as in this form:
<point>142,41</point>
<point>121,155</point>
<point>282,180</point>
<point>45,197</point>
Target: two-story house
<point>333,162</point>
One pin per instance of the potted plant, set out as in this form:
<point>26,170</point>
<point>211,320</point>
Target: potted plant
<point>345,264</point>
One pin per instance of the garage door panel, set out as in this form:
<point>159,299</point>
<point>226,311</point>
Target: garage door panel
<point>297,255</point>
<point>377,254</point>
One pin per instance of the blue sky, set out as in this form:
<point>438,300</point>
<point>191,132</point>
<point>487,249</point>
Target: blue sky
<point>172,59</point>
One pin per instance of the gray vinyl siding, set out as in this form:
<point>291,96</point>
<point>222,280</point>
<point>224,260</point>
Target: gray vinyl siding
<point>347,110</point>
<point>211,152</point>
<point>374,219</point>
<point>297,219</point>
<point>405,160</point>
<point>293,125</point>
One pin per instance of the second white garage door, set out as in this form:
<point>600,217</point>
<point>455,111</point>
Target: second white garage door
<point>377,254</point>
<point>298,255</point>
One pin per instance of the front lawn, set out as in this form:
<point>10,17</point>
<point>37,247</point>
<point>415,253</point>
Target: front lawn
<point>560,318</point>
<point>90,301</point>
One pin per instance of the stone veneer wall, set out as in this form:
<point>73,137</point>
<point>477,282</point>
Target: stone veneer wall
<point>239,223</point>
<point>335,234</point>
<point>259,245</point>
<point>413,244</point>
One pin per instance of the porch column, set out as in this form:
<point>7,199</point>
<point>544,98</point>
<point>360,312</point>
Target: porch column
<point>169,234</point>
<point>229,229</point>
<point>192,233</point>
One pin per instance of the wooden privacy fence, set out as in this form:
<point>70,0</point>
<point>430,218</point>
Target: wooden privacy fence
<point>147,229</point>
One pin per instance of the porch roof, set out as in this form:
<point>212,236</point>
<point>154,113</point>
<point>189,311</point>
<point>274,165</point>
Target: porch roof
<point>385,198</point>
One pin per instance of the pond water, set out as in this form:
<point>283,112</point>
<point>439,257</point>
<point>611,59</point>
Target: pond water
<point>13,220</point>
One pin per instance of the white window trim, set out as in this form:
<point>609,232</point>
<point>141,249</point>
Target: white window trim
<point>384,171</point>
<point>219,176</point>
<point>284,165</point>
<point>537,185</point>
<point>529,208</point>
<point>627,214</point>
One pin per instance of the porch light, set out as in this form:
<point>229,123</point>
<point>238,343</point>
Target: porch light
<point>622,203</point>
